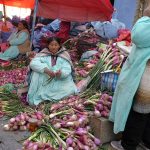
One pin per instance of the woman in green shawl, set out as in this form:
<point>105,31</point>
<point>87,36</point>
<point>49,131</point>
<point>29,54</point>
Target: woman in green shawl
<point>131,113</point>
<point>51,77</point>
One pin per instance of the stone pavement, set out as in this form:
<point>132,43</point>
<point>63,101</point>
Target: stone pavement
<point>10,140</point>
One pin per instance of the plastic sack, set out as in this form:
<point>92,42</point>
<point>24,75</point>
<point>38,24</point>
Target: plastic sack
<point>5,36</point>
<point>108,81</point>
<point>87,55</point>
<point>108,29</point>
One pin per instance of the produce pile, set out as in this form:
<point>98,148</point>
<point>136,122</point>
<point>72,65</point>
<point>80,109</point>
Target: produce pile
<point>64,125</point>
<point>15,73</point>
<point>21,121</point>
<point>15,76</point>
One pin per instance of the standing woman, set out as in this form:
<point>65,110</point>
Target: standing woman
<point>19,43</point>
<point>130,110</point>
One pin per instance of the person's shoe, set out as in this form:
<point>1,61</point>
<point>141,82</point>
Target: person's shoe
<point>143,146</point>
<point>117,145</point>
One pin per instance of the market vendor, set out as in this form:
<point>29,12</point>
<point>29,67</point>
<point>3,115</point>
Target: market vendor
<point>130,110</point>
<point>51,77</point>
<point>19,43</point>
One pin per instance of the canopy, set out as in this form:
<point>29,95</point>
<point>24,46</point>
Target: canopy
<point>76,10</point>
<point>69,10</point>
<point>18,3</point>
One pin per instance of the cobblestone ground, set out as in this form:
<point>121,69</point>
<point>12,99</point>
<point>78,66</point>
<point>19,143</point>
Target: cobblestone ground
<point>10,140</point>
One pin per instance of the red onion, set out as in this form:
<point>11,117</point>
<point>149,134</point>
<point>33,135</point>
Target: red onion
<point>22,117</point>
<point>12,120</point>
<point>69,141</point>
<point>81,131</point>
<point>26,143</point>
<point>70,148</point>
<point>57,125</point>
<point>97,141</point>
<point>99,107</point>
<point>97,113</point>
<point>35,147</point>
<point>85,147</point>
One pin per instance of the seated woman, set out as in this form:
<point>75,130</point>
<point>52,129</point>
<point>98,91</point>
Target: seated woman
<point>51,78</point>
<point>19,43</point>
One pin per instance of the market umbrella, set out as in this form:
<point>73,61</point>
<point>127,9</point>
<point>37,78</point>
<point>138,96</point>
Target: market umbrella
<point>76,10</point>
<point>4,26</point>
<point>18,3</point>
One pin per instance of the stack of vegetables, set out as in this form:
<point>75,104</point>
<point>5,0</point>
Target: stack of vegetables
<point>10,103</point>
<point>21,121</point>
<point>66,127</point>
<point>110,59</point>
<point>99,104</point>
<point>15,76</point>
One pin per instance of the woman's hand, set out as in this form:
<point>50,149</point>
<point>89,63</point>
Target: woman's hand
<point>8,44</point>
<point>31,55</point>
<point>58,73</point>
<point>49,72</point>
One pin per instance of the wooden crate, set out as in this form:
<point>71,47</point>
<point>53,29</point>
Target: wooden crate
<point>103,129</point>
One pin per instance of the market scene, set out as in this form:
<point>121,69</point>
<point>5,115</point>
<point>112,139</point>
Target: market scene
<point>74,75</point>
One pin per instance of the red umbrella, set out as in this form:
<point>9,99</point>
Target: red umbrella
<point>70,10</point>
<point>18,3</point>
<point>76,10</point>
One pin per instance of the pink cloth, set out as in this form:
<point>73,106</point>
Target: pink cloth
<point>63,33</point>
<point>3,47</point>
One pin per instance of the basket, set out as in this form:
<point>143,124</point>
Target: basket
<point>108,80</point>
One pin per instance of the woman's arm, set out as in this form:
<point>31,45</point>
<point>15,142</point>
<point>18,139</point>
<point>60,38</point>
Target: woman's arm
<point>19,40</point>
<point>39,65</point>
<point>65,69</point>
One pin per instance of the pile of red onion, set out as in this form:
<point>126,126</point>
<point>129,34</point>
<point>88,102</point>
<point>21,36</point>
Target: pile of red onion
<point>16,76</point>
<point>21,121</point>
<point>101,106</point>
<point>29,145</point>
<point>70,117</point>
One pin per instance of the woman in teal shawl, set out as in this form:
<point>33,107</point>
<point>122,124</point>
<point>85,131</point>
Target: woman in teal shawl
<point>136,126</point>
<point>51,77</point>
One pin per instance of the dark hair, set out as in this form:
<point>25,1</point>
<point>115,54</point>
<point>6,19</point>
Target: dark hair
<point>25,24</point>
<point>58,40</point>
<point>14,23</point>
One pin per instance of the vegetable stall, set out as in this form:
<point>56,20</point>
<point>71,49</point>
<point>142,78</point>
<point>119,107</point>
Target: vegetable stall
<point>66,124</point>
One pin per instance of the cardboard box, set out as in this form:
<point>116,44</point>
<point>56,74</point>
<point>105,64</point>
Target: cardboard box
<point>103,129</point>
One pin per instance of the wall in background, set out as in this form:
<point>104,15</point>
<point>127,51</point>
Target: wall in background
<point>125,11</point>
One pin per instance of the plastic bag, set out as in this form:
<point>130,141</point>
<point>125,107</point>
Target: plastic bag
<point>108,81</point>
<point>108,29</point>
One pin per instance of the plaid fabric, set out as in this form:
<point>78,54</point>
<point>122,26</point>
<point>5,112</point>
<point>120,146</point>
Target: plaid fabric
<point>108,81</point>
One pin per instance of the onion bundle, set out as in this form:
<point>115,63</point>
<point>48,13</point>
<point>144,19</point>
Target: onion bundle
<point>29,145</point>
<point>21,121</point>
<point>101,106</point>
<point>72,120</point>
<point>16,76</point>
